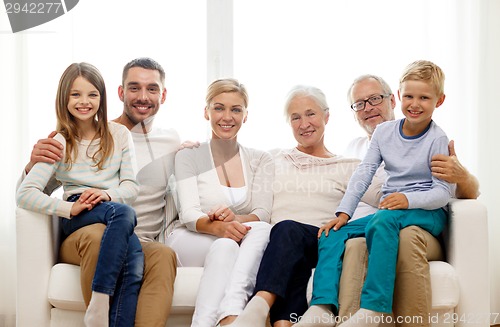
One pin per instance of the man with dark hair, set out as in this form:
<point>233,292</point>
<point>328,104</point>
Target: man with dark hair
<point>142,92</point>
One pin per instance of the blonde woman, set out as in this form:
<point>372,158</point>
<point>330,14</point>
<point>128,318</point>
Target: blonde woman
<point>225,198</point>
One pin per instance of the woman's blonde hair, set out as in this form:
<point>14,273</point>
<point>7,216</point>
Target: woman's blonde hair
<point>66,123</point>
<point>226,85</point>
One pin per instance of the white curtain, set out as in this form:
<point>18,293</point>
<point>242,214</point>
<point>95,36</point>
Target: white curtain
<point>487,135</point>
<point>275,44</point>
<point>11,145</point>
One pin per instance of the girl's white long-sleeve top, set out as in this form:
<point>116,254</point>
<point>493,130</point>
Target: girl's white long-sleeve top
<point>117,177</point>
<point>199,189</point>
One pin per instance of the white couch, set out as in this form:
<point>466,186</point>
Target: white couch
<point>48,293</point>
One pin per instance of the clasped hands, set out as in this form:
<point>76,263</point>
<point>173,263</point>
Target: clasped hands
<point>88,200</point>
<point>230,227</point>
<point>222,213</point>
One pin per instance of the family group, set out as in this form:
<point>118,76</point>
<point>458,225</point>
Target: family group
<point>367,222</point>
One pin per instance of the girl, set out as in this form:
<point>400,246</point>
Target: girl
<point>98,177</point>
<point>225,197</point>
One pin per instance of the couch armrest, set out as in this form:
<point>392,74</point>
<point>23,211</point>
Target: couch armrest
<point>467,251</point>
<point>37,240</point>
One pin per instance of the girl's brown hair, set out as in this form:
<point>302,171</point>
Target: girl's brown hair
<point>66,123</point>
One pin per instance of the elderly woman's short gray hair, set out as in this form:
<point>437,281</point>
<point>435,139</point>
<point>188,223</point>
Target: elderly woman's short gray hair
<point>305,91</point>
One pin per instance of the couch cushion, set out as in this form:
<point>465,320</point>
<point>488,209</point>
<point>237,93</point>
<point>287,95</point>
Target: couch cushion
<point>186,286</point>
<point>444,285</point>
<point>65,292</point>
<point>64,287</point>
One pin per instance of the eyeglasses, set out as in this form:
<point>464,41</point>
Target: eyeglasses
<point>373,100</point>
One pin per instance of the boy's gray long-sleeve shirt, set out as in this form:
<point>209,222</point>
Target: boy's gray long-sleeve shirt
<point>407,164</point>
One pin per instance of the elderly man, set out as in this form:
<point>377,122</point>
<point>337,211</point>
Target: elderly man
<point>375,104</point>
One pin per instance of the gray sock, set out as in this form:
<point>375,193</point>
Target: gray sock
<point>254,315</point>
<point>97,314</point>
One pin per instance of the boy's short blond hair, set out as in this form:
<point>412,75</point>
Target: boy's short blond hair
<point>427,71</point>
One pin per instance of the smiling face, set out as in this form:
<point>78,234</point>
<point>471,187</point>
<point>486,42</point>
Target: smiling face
<point>142,94</point>
<point>308,121</point>
<point>371,115</point>
<point>84,99</point>
<point>418,101</point>
<point>226,113</point>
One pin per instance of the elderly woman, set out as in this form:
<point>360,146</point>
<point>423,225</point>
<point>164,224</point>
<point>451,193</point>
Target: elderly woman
<point>309,183</point>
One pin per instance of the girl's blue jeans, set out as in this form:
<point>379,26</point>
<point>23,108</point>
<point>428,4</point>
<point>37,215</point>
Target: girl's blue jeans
<point>120,265</point>
<point>382,240</point>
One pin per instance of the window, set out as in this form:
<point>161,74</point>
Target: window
<point>327,44</point>
<point>108,35</point>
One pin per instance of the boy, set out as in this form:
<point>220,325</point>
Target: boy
<point>406,147</point>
